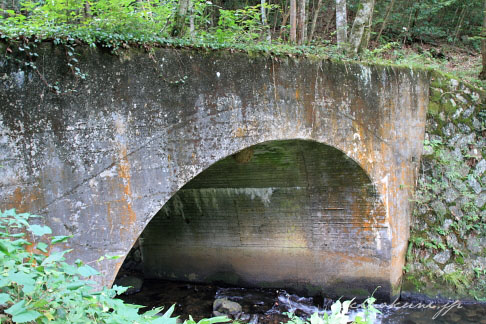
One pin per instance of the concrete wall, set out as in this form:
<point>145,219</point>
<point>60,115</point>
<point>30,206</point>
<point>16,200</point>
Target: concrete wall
<point>102,160</point>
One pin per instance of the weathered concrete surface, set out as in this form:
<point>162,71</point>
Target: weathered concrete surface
<point>102,161</point>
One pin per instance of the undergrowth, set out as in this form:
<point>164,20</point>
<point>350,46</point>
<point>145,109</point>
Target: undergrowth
<point>122,24</point>
<point>38,286</point>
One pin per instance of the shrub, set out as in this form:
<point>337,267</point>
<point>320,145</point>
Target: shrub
<point>38,286</point>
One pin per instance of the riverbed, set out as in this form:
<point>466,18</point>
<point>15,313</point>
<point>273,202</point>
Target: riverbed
<point>269,306</point>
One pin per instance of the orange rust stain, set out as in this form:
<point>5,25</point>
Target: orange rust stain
<point>309,112</point>
<point>31,249</point>
<point>118,265</point>
<point>24,201</point>
<point>297,94</point>
<point>129,217</point>
<point>109,217</point>
<point>240,132</point>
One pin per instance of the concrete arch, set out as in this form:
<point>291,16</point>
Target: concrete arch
<point>100,162</point>
<point>290,214</point>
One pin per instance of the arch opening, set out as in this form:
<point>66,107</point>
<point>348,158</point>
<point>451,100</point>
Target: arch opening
<point>292,214</point>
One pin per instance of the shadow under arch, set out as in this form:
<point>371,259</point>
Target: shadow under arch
<point>294,214</point>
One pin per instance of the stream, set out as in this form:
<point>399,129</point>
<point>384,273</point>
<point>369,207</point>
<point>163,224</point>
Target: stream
<point>267,306</point>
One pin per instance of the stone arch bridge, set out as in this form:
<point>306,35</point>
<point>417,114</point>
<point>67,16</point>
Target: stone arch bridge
<point>102,158</point>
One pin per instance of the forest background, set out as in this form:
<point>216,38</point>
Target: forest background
<point>442,34</point>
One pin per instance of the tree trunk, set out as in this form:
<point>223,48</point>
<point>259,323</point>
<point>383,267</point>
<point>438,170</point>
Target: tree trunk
<point>482,75</point>
<point>302,23</point>
<point>341,22</point>
<point>330,16</point>
<point>285,17</point>
<point>407,30</point>
<point>293,21</point>
<point>2,8</point>
<point>87,10</point>
<point>360,22</point>
<point>306,20</point>
<point>264,19</point>
<point>459,24</point>
<point>191,20</point>
<point>385,20</point>
<point>365,41</point>
<point>180,21</point>
<point>314,20</point>
<point>275,20</point>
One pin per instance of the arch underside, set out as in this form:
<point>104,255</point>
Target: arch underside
<point>286,214</point>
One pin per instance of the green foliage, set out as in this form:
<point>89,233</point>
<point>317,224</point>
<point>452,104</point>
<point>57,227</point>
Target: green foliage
<point>116,22</point>
<point>37,285</point>
<point>432,20</point>
<point>426,242</point>
<point>240,25</point>
<point>457,279</point>
<point>479,272</point>
<point>339,314</point>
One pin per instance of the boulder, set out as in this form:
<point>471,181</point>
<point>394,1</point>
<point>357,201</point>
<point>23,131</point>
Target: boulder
<point>442,257</point>
<point>223,306</point>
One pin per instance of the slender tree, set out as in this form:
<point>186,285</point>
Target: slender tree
<point>482,75</point>
<point>192,29</point>
<point>293,21</point>
<point>330,16</point>
<point>2,9</point>
<point>360,22</point>
<point>302,23</point>
<point>314,20</point>
<point>264,19</point>
<point>87,10</point>
<point>180,21</point>
<point>385,20</point>
<point>365,40</point>
<point>285,17</point>
<point>341,22</point>
<point>459,24</point>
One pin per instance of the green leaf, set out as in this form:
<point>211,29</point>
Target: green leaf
<point>4,298</point>
<point>4,248</point>
<point>120,290</point>
<point>75,285</point>
<point>151,312</point>
<point>40,303</point>
<point>113,257</point>
<point>87,271</point>
<point>40,230</point>
<point>42,247</point>
<point>27,316</point>
<point>59,239</point>
<point>24,279</point>
<point>17,235</point>
<point>213,320</point>
<point>16,308</point>
<point>55,257</point>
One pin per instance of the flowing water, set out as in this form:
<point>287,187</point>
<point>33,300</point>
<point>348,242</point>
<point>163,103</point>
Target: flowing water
<point>268,306</point>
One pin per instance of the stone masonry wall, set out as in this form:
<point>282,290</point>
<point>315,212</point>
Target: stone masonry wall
<point>447,251</point>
